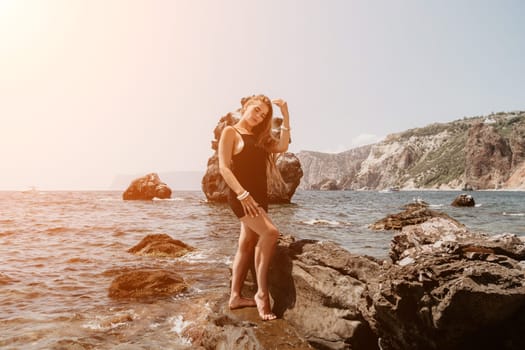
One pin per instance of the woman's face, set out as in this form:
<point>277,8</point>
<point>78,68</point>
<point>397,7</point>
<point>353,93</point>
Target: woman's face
<point>256,111</point>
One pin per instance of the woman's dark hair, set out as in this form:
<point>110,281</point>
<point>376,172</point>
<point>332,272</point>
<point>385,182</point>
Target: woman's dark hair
<point>265,140</point>
<point>263,131</point>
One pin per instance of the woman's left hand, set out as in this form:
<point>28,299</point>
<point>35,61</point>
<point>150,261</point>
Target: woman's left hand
<point>279,102</point>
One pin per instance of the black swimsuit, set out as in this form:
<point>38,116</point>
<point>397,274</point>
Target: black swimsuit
<point>249,167</point>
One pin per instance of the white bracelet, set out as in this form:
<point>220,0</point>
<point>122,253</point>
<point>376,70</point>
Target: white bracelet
<point>285,128</point>
<point>243,195</point>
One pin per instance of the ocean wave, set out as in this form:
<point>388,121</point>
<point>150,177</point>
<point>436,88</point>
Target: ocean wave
<point>513,214</point>
<point>4,279</point>
<point>7,233</point>
<point>110,199</point>
<point>436,205</point>
<point>479,205</point>
<point>322,222</point>
<point>178,325</point>
<point>56,230</point>
<point>105,323</point>
<point>176,199</point>
<point>79,261</point>
<point>209,258</point>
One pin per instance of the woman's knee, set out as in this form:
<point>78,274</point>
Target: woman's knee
<point>273,233</point>
<point>248,243</point>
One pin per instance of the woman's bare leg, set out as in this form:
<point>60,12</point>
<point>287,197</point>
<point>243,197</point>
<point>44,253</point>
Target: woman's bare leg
<point>241,265</point>
<point>268,235</point>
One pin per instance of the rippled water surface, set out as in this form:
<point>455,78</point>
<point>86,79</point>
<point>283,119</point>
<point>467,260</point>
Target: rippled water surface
<point>61,250</point>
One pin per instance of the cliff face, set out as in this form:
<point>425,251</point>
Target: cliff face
<point>321,168</point>
<point>483,152</point>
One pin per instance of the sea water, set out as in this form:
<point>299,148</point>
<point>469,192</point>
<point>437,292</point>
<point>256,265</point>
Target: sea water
<point>61,250</point>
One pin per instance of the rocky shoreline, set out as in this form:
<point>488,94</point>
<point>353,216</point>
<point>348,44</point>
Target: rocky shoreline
<point>444,287</point>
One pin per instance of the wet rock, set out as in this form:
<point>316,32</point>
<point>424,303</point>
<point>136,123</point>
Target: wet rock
<point>317,288</point>
<point>443,236</point>
<point>326,185</point>
<point>415,213</point>
<point>291,172</point>
<point>160,245</point>
<point>463,200</point>
<point>280,190</point>
<point>243,329</point>
<point>146,283</point>
<point>146,188</point>
<point>447,288</point>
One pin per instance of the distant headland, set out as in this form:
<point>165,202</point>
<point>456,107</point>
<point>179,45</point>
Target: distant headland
<point>482,152</point>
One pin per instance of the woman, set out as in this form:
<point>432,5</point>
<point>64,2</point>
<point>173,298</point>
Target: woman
<point>245,154</point>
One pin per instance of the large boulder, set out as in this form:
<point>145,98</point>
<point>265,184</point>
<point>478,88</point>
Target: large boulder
<point>463,200</point>
<point>289,167</point>
<point>144,283</point>
<point>318,287</point>
<point>280,190</point>
<point>160,245</point>
<point>326,185</point>
<point>449,288</point>
<point>146,188</point>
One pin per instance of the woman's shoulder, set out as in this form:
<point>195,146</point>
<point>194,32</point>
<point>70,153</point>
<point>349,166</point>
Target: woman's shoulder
<point>228,130</point>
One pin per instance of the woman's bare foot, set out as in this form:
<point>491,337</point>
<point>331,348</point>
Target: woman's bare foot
<point>239,302</point>
<point>263,306</point>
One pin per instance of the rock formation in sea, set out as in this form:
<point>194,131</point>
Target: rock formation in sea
<point>414,213</point>
<point>147,187</point>
<point>144,283</point>
<point>147,282</point>
<point>486,152</point>
<point>279,190</point>
<point>160,245</point>
<point>445,287</point>
<point>463,200</point>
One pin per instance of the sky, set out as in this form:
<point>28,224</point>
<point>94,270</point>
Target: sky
<point>90,89</point>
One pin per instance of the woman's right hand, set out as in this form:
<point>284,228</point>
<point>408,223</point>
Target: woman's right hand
<point>250,206</point>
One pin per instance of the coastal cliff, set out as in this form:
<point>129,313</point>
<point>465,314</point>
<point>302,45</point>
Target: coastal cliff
<point>486,152</point>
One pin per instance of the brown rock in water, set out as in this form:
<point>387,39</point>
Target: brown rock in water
<point>463,200</point>
<point>290,168</point>
<point>288,164</point>
<point>146,188</point>
<point>160,245</point>
<point>146,283</point>
<point>415,213</point>
<point>326,185</point>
